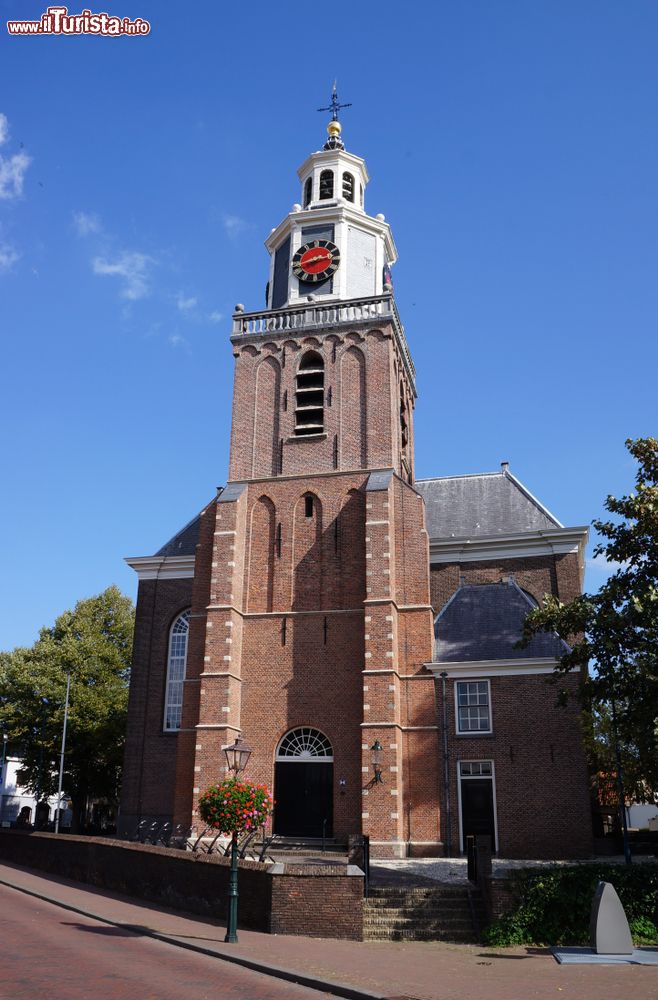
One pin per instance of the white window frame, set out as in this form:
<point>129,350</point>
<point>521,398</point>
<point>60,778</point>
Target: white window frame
<point>178,682</point>
<point>470,777</point>
<point>473,732</point>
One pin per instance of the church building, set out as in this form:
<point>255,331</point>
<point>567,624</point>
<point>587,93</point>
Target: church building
<point>356,625</point>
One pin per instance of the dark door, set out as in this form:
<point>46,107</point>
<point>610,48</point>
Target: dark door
<point>303,795</point>
<point>477,809</point>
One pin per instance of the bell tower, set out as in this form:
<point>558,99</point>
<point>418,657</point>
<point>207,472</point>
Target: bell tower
<point>311,606</point>
<point>316,404</point>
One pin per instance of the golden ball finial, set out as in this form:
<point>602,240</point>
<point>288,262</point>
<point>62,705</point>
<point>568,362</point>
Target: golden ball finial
<point>334,129</point>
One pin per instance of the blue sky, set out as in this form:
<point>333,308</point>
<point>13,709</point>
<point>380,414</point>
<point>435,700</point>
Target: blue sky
<point>513,149</point>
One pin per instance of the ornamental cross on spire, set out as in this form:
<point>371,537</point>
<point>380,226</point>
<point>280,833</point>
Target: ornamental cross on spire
<point>335,106</point>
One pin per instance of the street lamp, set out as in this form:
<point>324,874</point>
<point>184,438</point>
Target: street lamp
<point>61,756</point>
<point>5,738</point>
<point>237,756</point>
<point>376,761</point>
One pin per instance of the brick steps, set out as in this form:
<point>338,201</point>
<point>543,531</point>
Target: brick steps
<point>443,913</point>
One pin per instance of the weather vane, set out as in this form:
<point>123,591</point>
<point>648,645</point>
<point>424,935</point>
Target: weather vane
<point>335,106</point>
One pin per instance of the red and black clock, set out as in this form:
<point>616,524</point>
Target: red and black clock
<point>316,261</point>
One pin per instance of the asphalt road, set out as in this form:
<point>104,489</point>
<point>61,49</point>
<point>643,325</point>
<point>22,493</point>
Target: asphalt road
<point>47,953</point>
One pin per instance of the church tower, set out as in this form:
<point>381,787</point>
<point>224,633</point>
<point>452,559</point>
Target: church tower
<point>310,614</point>
<point>357,626</point>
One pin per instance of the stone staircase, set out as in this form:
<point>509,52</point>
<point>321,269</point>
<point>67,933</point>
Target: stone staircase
<point>437,913</point>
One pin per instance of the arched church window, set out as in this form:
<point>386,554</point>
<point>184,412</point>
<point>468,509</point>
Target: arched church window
<point>348,187</point>
<point>309,395</point>
<point>308,192</point>
<point>326,184</point>
<point>176,661</point>
<point>403,418</point>
<point>307,744</point>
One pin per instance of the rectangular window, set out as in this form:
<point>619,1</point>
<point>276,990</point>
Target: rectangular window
<point>473,706</point>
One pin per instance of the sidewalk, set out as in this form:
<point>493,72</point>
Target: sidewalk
<point>363,971</point>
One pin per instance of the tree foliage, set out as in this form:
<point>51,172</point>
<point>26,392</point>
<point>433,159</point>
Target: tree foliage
<point>94,643</point>
<point>614,632</point>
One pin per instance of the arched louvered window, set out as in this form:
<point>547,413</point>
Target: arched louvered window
<point>309,395</point>
<point>326,184</point>
<point>308,192</point>
<point>403,418</point>
<point>305,744</point>
<point>348,187</point>
<point>176,661</point>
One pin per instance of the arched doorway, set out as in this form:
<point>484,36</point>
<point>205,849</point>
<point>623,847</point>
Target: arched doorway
<point>303,784</point>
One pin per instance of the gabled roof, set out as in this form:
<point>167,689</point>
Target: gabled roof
<point>488,504</point>
<point>485,621</point>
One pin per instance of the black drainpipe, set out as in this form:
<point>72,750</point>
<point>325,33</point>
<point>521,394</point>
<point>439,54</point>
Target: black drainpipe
<point>446,769</point>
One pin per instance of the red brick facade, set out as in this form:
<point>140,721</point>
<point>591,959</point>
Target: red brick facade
<point>313,605</point>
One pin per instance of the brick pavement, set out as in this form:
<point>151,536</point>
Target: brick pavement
<point>427,971</point>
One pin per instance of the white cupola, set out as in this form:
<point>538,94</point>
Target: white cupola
<point>327,247</point>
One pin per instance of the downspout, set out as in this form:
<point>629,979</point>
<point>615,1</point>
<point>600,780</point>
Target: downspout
<point>446,770</point>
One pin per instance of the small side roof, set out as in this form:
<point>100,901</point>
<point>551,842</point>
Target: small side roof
<point>486,504</point>
<point>184,542</point>
<point>485,621</point>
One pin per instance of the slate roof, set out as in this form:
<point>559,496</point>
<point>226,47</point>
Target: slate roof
<point>184,543</point>
<point>484,621</point>
<point>492,503</point>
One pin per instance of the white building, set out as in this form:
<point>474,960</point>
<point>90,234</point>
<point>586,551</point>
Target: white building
<point>15,800</point>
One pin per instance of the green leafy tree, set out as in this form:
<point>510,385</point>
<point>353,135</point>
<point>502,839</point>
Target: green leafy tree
<point>94,643</point>
<point>614,632</point>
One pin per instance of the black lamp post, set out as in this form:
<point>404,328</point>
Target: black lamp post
<point>237,756</point>
<point>376,759</point>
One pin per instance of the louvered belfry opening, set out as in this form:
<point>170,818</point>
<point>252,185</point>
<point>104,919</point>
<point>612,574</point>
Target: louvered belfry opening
<point>326,184</point>
<point>309,395</point>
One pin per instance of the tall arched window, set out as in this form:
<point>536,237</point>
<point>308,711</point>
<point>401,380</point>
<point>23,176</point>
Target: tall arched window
<point>326,184</point>
<point>348,187</point>
<point>308,192</point>
<point>309,395</point>
<point>176,661</point>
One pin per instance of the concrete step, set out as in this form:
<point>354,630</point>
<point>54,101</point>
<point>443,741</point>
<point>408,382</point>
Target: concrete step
<point>384,934</point>
<point>427,913</point>
<point>412,918</point>
<point>419,906</point>
<point>426,926</point>
<point>420,892</point>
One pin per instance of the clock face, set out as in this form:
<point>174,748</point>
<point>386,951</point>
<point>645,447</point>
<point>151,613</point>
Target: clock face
<point>316,261</point>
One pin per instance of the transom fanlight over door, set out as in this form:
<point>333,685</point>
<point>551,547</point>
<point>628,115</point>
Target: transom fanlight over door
<point>305,744</point>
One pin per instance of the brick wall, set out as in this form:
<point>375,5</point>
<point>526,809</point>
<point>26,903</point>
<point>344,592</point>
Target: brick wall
<point>279,899</point>
<point>541,786</point>
<point>362,378</point>
<point>150,757</point>
<point>538,575</point>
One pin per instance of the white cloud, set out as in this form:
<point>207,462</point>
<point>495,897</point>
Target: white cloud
<point>184,304</point>
<point>133,268</point>
<point>234,225</point>
<point>216,316</point>
<point>4,129</point>
<point>12,173</point>
<point>603,565</point>
<point>175,340</point>
<point>86,223</point>
<point>8,257</point>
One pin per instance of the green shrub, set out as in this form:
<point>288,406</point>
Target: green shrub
<point>555,904</point>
